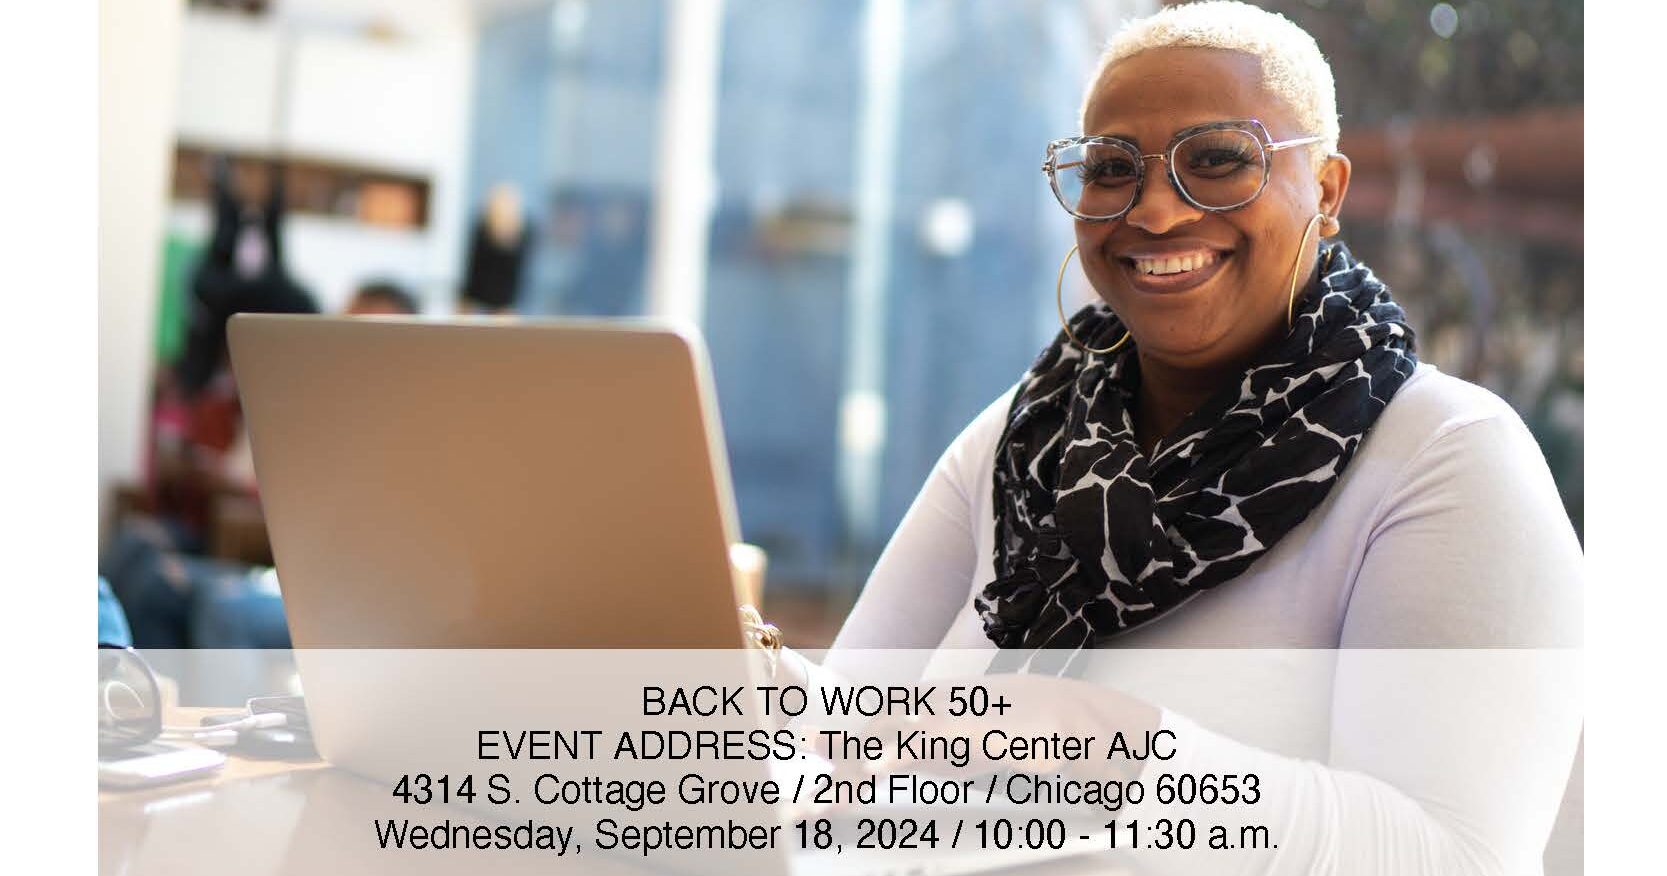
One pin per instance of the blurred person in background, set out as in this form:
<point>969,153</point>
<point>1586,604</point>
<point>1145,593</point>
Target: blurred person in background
<point>173,595</point>
<point>197,421</point>
<point>497,254</point>
<point>1237,446</point>
<point>381,298</point>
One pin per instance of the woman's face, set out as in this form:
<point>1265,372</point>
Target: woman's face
<point>1222,313</point>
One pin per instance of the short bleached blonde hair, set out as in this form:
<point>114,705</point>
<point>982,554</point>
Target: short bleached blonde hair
<point>1293,68</point>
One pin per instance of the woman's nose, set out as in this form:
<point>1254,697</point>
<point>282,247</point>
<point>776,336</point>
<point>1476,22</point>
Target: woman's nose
<point>1160,207</point>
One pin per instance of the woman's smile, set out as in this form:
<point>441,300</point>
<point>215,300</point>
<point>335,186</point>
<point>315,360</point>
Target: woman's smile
<point>1170,269</point>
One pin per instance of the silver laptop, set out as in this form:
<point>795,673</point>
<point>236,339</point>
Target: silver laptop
<point>473,467</point>
<point>491,484</point>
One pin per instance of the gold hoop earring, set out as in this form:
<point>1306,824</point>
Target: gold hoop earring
<point>1291,299</point>
<point>1059,301</point>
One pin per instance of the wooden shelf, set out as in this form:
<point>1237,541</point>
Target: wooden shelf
<point>312,186</point>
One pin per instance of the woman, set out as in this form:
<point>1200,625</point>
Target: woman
<point>1237,447</point>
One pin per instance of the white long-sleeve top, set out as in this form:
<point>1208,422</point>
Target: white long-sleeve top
<point>1445,531</point>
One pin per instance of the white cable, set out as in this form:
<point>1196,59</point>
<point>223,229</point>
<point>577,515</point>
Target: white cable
<point>252,722</point>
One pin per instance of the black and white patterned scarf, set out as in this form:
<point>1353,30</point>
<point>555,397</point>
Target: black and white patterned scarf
<point>1093,538</point>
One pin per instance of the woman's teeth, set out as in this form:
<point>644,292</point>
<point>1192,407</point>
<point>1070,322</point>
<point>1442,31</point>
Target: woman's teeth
<point>1175,265</point>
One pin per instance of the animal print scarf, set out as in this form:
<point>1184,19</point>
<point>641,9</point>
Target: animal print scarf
<point>1093,538</point>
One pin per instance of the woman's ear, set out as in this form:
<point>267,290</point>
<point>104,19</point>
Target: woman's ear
<point>1334,185</point>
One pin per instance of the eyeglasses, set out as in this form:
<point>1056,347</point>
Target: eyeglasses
<point>1218,166</point>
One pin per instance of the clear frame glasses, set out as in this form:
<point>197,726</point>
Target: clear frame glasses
<point>1218,166</point>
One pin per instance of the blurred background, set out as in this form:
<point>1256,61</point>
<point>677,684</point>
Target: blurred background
<point>844,195</point>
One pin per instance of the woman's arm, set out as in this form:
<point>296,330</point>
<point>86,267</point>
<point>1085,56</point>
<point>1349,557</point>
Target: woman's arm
<point>924,576</point>
<point>1472,551</point>
<point>1449,761</point>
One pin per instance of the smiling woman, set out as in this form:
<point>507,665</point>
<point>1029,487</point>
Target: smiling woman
<point>1231,198</point>
<point>1236,446</point>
